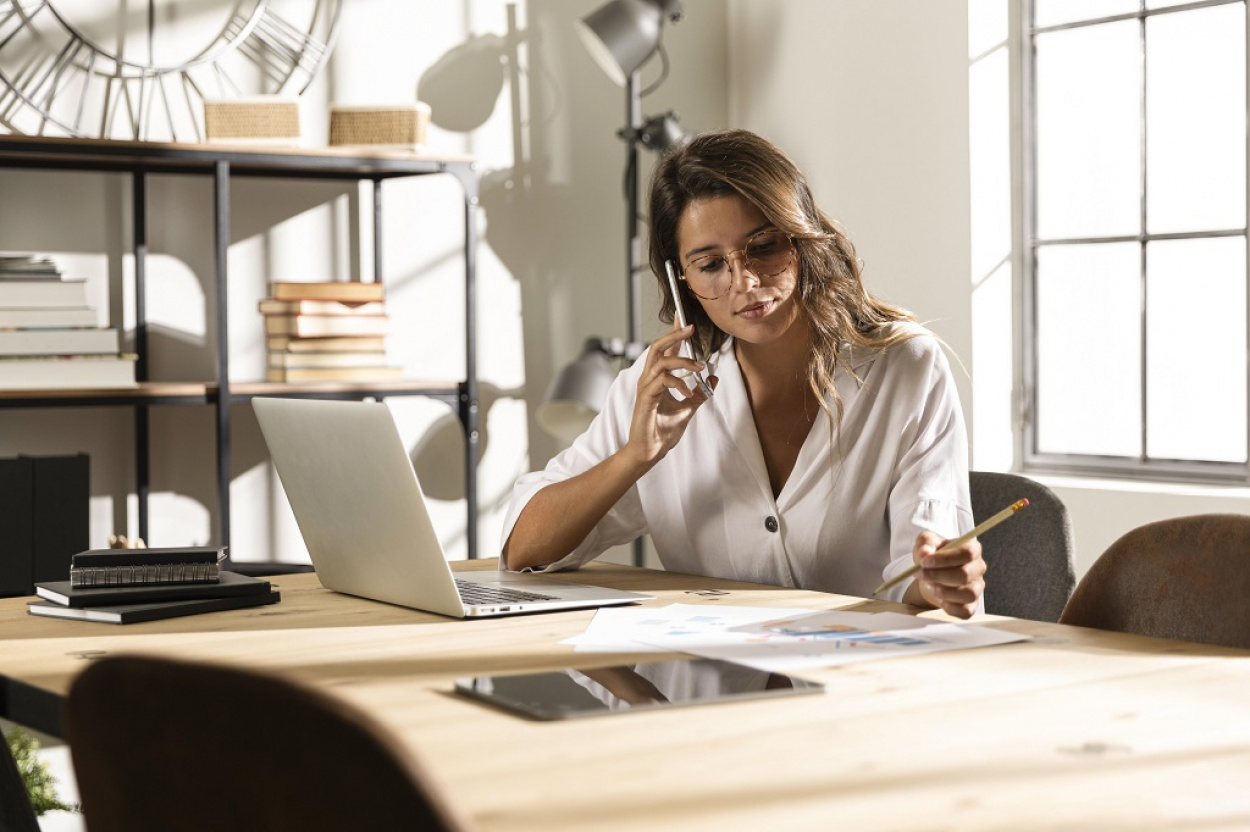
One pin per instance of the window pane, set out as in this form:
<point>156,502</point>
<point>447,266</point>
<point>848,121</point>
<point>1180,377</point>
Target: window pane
<point>1196,120</point>
<point>1089,349</point>
<point>1089,131</point>
<point>1196,349</point>
<point>1054,12</point>
<point>1163,4</point>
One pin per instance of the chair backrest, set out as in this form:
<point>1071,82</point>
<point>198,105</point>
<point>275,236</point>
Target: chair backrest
<point>1029,560</point>
<point>1187,578</point>
<point>16,813</point>
<point>160,745</point>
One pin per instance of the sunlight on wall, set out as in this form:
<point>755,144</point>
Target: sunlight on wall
<point>993,304</point>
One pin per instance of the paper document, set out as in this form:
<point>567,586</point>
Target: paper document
<point>629,629</point>
<point>779,640</point>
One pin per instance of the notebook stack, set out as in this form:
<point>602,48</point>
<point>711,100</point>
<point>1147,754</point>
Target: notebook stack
<point>49,336</point>
<point>126,586</point>
<point>327,332</point>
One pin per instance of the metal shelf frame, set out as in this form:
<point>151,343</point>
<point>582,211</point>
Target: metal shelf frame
<point>223,163</point>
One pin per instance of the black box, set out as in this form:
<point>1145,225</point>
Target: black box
<point>44,518</point>
<point>62,513</point>
<point>17,526</point>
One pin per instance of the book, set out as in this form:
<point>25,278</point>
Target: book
<point>42,372</point>
<point>334,373</point>
<point>56,317</point>
<point>229,584</point>
<point>17,529</point>
<point>327,359</point>
<point>42,294</point>
<point>61,512</point>
<point>270,306</point>
<point>130,567</point>
<point>154,611</point>
<point>10,273</point>
<point>344,291</point>
<point>32,267</point>
<point>313,326</point>
<point>347,343</point>
<point>60,341</point>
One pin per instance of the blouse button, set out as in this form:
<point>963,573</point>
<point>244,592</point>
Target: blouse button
<point>770,523</point>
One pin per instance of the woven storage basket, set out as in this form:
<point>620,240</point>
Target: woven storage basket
<point>263,119</point>
<point>398,125</point>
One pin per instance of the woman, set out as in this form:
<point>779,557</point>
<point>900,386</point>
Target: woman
<point>833,453</point>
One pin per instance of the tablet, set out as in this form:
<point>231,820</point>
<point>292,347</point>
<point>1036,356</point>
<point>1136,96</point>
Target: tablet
<point>577,692</point>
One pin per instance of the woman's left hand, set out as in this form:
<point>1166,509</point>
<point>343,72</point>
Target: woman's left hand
<point>951,581</point>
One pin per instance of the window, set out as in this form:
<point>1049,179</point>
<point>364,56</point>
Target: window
<point>1135,238</point>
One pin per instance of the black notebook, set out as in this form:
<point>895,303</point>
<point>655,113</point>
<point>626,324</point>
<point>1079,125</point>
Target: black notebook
<point>229,584</point>
<point>128,567</point>
<point>134,613</point>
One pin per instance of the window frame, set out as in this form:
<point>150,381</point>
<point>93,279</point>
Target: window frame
<point>1142,467</point>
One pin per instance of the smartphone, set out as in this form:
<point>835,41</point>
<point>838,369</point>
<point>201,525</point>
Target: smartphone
<point>686,349</point>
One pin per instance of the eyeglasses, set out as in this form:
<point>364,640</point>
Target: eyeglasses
<point>766,254</point>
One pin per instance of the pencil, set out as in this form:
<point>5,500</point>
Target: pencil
<point>990,523</point>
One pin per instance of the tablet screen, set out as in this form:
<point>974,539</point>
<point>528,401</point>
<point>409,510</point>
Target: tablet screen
<point>575,692</point>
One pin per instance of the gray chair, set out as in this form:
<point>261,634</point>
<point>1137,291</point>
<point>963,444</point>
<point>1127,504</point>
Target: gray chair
<point>1186,578</point>
<point>16,813</point>
<point>164,745</point>
<point>1029,560</point>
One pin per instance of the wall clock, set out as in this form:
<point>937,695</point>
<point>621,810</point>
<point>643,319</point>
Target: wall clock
<point>141,69</point>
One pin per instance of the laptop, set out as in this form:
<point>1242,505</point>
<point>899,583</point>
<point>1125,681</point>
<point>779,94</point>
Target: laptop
<point>363,517</point>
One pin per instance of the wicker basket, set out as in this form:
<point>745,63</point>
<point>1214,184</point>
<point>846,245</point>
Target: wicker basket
<point>391,125</point>
<point>269,119</point>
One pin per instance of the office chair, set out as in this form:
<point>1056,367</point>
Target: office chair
<point>159,744</point>
<point>1185,578</point>
<point>1029,560</point>
<point>16,813</point>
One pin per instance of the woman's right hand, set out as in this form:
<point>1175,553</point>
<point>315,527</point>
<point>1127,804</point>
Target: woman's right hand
<point>660,418</point>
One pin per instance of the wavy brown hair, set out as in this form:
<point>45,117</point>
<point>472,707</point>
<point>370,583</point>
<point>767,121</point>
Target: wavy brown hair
<point>830,293</point>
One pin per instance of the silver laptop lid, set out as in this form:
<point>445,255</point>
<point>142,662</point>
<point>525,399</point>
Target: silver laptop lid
<point>357,501</point>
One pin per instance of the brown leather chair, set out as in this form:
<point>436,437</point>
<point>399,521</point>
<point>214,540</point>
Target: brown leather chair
<point>1187,578</point>
<point>164,745</point>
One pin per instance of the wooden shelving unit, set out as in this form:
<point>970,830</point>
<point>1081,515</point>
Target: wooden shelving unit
<point>223,163</point>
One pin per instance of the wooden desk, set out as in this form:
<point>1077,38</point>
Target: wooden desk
<point>1077,729</point>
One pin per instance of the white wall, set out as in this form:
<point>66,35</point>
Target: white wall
<point>870,98</point>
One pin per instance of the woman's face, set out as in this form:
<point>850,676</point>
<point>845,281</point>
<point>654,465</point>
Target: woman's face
<point>754,309</point>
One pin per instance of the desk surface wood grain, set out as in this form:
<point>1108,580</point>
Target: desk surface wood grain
<point>1073,729</point>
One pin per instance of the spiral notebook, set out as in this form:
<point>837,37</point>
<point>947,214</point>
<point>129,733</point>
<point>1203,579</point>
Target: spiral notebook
<point>138,567</point>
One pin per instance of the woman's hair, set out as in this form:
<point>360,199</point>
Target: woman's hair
<point>830,292</point>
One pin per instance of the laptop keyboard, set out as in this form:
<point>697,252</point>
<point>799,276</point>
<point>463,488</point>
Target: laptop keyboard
<point>473,593</point>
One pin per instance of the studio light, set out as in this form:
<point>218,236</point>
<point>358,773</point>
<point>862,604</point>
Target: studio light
<point>623,34</point>
<point>661,132</point>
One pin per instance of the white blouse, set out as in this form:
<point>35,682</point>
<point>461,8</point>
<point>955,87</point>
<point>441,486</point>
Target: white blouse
<point>847,517</point>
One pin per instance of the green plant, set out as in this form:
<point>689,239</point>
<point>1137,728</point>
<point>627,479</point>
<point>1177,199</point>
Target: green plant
<point>40,784</point>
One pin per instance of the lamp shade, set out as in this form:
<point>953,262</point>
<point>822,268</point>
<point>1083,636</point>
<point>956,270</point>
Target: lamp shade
<point>577,394</point>
<point>621,35</point>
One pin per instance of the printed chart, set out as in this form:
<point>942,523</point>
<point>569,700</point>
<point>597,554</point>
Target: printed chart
<point>781,640</point>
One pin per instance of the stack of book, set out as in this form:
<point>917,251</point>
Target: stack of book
<point>327,332</point>
<point>49,335</point>
<point>126,586</point>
